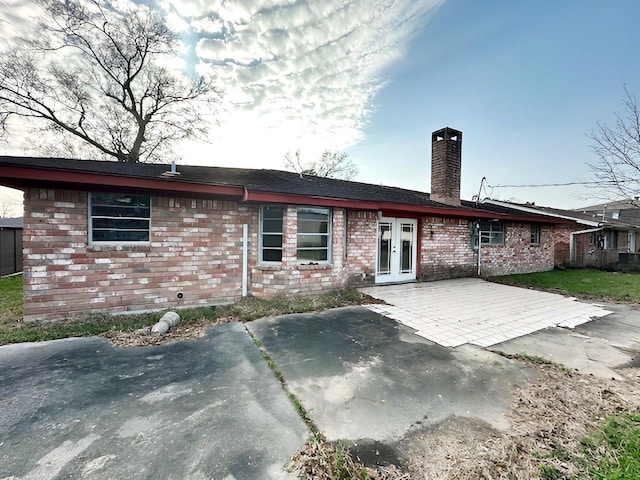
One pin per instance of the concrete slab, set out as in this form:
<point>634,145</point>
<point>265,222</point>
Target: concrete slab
<point>621,330</point>
<point>197,409</point>
<point>470,310</point>
<point>363,376</point>
<point>588,355</point>
<point>600,347</point>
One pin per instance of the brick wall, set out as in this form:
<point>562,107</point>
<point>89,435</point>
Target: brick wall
<point>517,255</point>
<point>196,250</point>
<point>293,278</point>
<point>561,239</point>
<point>361,247</point>
<point>446,250</point>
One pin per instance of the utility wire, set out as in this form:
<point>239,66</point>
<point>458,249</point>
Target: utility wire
<point>609,182</point>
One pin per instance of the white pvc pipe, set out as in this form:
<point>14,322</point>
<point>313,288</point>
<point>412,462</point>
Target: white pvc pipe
<point>245,258</point>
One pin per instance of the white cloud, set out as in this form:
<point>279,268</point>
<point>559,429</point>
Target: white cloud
<point>16,18</point>
<point>308,68</point>
<point>296,74</point>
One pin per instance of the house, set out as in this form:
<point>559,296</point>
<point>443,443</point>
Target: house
<point>603,236</point>
<point>10,246</point>
<point>115,237</point>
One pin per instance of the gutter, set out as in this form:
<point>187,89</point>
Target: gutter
<point>388,209</point>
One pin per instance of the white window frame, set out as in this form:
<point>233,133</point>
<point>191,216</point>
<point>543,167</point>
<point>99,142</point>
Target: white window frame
<point>91,218</point>
<point>321,210</point>
<point>262,232</point>
<point>536,231</point>
<point>488,237</point>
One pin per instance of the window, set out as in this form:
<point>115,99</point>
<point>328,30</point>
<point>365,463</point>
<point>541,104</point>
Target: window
<point>271,233</point>
<point>314,234</point>
<point>614,239</point>
<point>535,234</point>
<point>491,232</point>
<point>116,218</point>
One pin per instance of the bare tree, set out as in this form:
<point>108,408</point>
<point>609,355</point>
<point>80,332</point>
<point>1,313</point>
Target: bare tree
<point>8,206</point>
<point>98,72</point>
<point>617,170</point>
<point>331,164</point>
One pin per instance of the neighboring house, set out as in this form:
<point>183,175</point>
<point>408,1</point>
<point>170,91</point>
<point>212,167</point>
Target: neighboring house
<point>107,236</point>
<point>616,241</point>
<point>10,246</point>
<point>603,236</point>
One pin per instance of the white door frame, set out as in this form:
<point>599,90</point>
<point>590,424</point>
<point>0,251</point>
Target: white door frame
<point>631,241</point>
<point>396,249</point>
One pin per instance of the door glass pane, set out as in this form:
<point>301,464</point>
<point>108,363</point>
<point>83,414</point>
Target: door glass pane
<point>406,248</point>
<point>384,248</point>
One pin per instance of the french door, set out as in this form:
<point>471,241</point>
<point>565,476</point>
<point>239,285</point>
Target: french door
<point>396,250</point>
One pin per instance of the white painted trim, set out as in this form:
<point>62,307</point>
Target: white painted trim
<point>539,212</point>
<point>572,241</point>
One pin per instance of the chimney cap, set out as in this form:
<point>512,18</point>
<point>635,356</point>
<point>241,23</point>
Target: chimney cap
<point>447,133</point>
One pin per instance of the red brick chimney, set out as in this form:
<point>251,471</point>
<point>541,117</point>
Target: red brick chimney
<point>446,162</point>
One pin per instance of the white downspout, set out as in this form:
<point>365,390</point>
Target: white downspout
<point>572,241</point>
<point>245,258</point>
<point>479,234</point>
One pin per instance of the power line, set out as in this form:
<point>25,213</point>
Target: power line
<point>609,182</point>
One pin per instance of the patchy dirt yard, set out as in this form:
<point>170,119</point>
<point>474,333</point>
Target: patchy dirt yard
<point>143,337</point>
<point>548,419</point>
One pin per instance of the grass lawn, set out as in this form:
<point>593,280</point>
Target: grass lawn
<point>614,451</point>
<point>622,287</point>
<point>10,299</point>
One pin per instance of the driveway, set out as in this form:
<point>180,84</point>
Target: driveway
<point>210,408</point>
<point>366,378</point>
<point>200,409</point>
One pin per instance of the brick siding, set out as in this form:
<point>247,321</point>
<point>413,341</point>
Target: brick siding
<point>446,250</point>
<point>361,247</point>
<point>196,250</point>
<point>293,278</point>
<point>561,240</point>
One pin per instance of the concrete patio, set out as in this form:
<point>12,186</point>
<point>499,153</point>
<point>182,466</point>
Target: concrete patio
<point>473,311</point>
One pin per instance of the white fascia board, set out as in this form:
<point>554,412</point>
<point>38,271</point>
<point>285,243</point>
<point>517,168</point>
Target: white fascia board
<point>539,212</point>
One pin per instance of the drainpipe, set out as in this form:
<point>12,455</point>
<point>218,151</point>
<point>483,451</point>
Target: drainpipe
<point>572,241</point>
<point>479,235</point>
<point>245,258</point>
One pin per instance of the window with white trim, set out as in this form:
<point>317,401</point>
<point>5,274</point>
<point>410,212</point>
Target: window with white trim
<point>116,218</point>
<point>271,221</point>
<point>535,234</point>
<point>314,234</point>
<point>491,232</point>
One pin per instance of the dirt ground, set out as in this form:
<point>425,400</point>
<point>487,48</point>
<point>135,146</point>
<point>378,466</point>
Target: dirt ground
<point>548,418</point>
<point>144,337</point>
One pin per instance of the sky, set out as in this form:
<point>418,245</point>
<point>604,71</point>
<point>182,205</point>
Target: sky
<point>525,81</point>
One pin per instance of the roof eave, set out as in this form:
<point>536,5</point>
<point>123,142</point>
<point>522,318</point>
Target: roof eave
<point>456,212</point>
<point>27,176</point>
<point>536,211</point>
